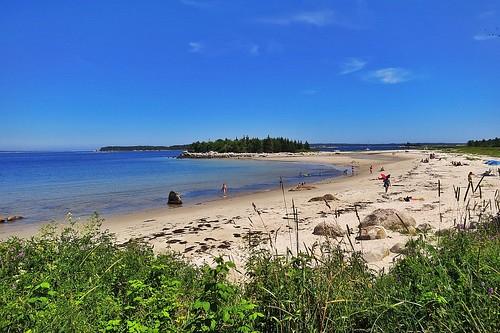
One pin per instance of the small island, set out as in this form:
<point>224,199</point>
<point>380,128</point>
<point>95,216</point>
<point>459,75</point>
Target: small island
<point>243,145</point>
<point>250,145</point>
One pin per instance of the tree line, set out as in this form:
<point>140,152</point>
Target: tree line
<point>250,145</point>
<point>484,143</point>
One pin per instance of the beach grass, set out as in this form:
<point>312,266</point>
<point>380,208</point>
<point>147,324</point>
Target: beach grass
<point>80,280</point>
<point>484,151</point>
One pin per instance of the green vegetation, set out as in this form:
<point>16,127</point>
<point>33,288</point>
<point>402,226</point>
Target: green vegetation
<point>80,281</point>
<point>487,151</point>
<point>250,145</point>
<point>142,148</point>
<point>484,143</point>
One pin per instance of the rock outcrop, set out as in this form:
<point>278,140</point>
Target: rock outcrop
<point>328,229</point>
<point>174,198</point>
<point>390,219</point>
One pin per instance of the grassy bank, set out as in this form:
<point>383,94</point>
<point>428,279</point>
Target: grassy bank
<point>81,281</point>
<point>486,151</point>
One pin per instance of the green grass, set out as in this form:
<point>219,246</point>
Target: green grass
<point>80,281</point>
<point>487,151</point>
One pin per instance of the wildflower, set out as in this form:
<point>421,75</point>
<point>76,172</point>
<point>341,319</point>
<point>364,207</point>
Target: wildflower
<point>20,255</point>
<point>490,291</point>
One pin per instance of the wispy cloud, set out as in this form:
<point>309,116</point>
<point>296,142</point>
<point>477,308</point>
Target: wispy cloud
<point>352,65</point>
<point>483,37</point>
<point>316,18</point>
<point>195,47</point>
<point>390,75</point>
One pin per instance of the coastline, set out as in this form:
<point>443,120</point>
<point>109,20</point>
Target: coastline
<point>332,159</point>
<point>204,230</point>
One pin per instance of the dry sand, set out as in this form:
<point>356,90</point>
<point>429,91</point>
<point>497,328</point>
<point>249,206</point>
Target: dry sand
<point>222,226</point>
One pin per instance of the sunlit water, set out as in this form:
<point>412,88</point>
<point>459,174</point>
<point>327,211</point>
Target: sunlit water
<point>45,186</point>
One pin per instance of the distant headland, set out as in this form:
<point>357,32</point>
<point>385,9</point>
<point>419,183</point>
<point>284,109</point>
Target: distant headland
<point>142,148</point>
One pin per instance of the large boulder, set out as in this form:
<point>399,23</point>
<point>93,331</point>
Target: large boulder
<point>388,218</point>
<point>174,198</point>
<point>372,232</point>
<point>2,219</point>
<point>329,229</point>
<point>377,254</point>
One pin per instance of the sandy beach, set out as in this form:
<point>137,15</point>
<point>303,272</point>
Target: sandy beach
<point>221,227</point>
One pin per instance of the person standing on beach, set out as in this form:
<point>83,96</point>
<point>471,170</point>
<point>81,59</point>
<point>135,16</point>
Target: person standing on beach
<point>387,183</point>
<point>371,169</point>
<point>352,170</point>
<point>224,189</point>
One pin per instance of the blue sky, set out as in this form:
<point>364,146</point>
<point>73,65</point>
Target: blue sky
<point>81,74</point>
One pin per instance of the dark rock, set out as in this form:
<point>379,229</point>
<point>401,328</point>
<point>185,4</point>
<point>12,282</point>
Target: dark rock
<point>174,198</point>
<point>399,248</point>
<point>13,218</point>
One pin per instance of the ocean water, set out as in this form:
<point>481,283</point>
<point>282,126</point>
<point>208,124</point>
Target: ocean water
<point>42,186</point>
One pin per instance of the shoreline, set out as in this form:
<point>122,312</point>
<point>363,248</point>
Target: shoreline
<point>220,226</point>
<point>340,162</point>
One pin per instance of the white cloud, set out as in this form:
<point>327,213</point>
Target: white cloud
<point>317,18</point>
<point>391,75</point>
<point>482,37</point>
<point>195,47</point>
<point>352,65</point>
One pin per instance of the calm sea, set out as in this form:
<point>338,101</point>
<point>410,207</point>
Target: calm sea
<point>46,185</point>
